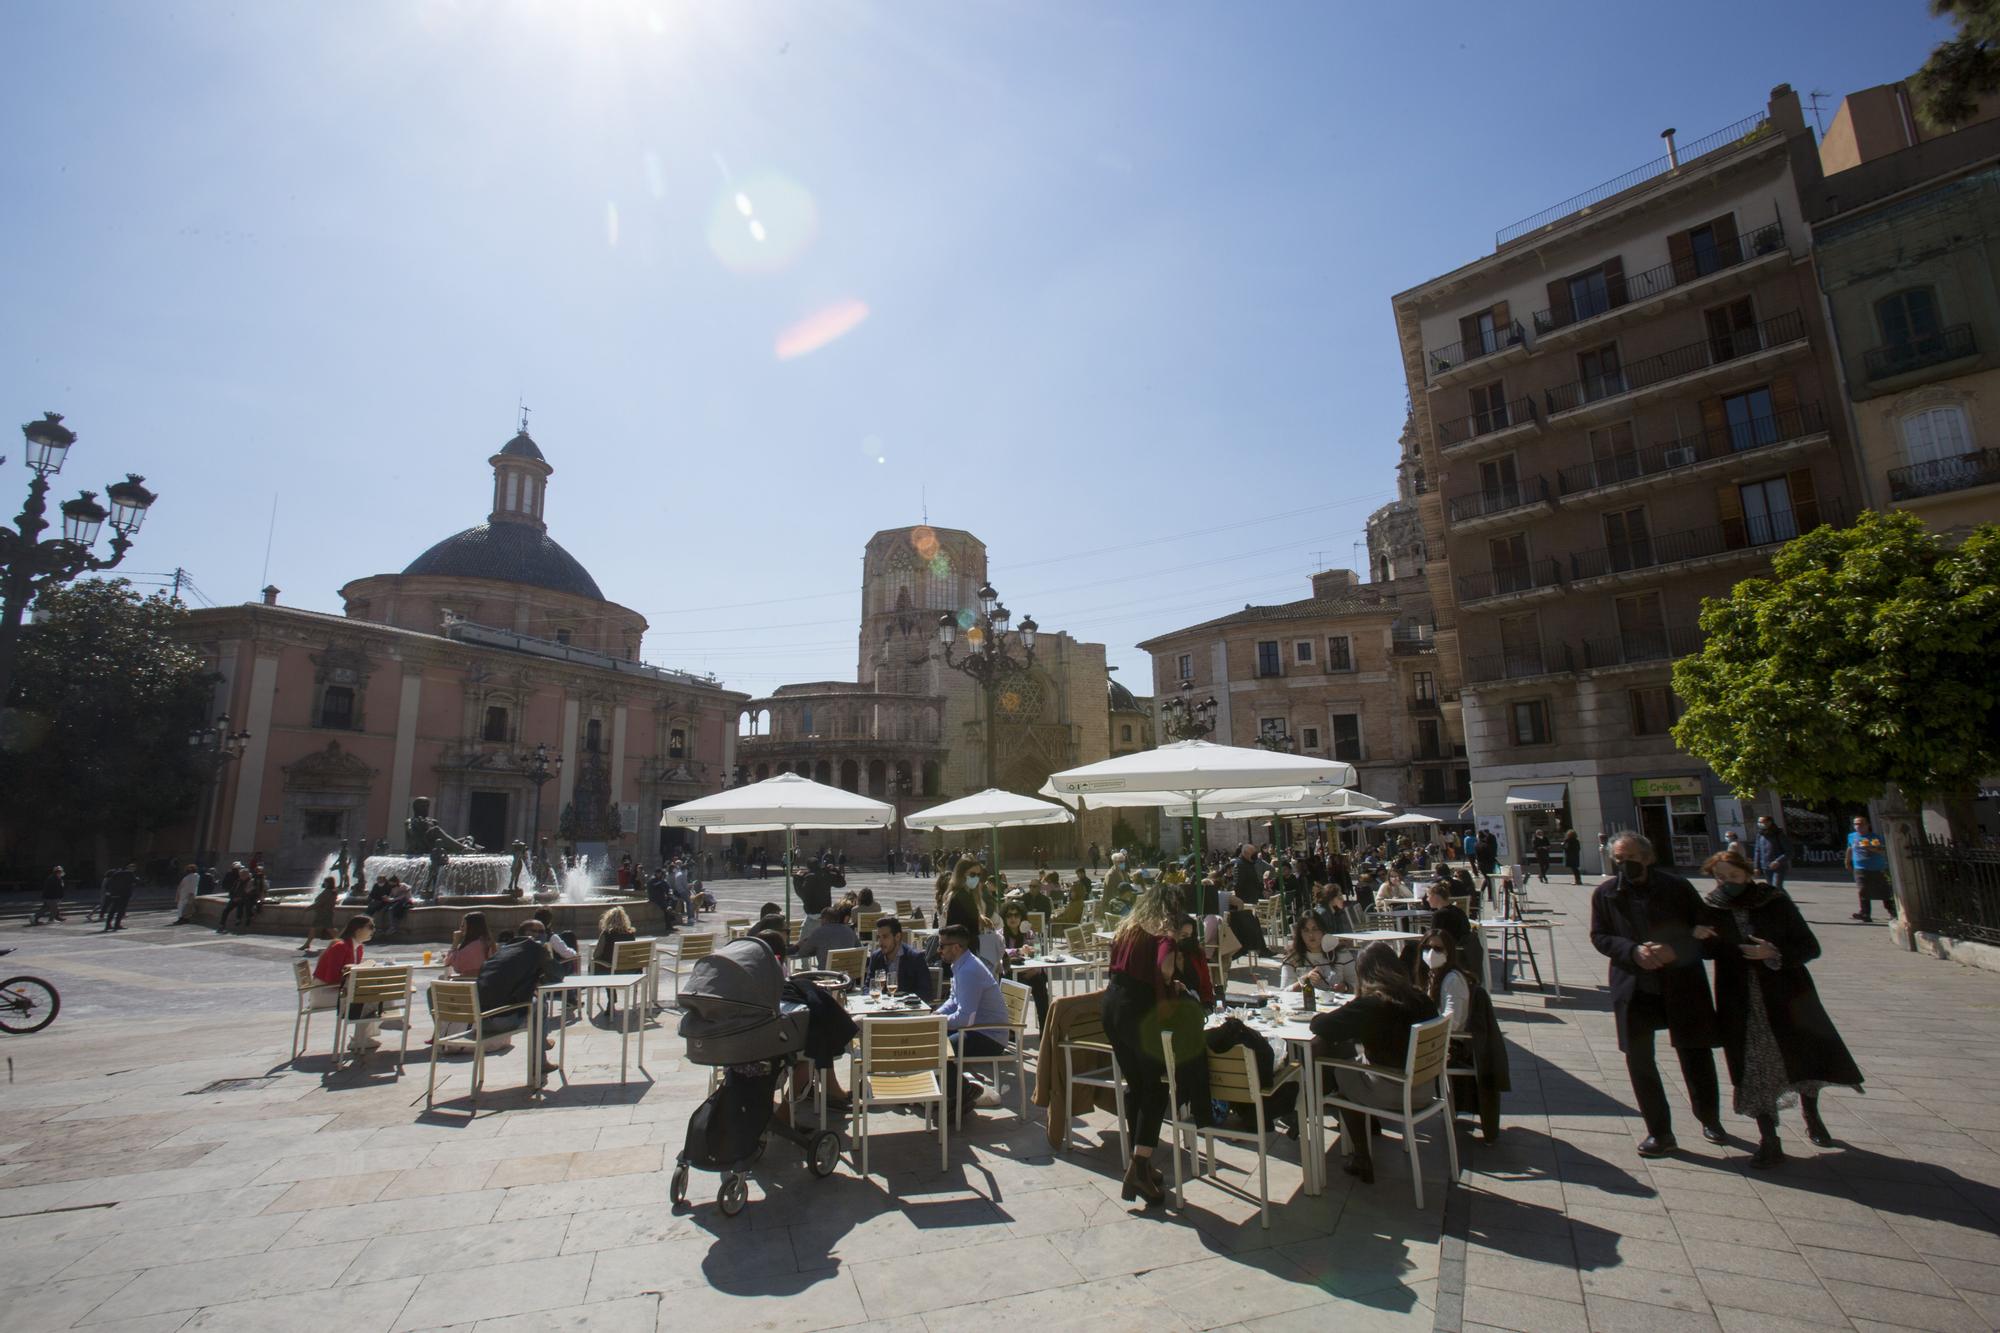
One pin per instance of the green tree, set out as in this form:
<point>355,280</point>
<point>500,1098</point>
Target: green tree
<point>1867,659</point>
<point>1961,70</point>
<point>104,698</point>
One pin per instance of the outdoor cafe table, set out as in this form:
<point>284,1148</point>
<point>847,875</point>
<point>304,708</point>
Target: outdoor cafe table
<point>1056,965</point>
<point>1508,931</point>
<point>630,983</point>
<point>1294,1029</point>
<point>1373,936</point>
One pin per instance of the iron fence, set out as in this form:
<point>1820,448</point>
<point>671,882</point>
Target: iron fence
<point>1955,890</point>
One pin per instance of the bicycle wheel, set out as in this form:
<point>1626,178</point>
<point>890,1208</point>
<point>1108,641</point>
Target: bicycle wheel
<point>27,1004</point>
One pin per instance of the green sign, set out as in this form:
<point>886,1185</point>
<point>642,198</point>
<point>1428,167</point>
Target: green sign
<point>1666,786</point>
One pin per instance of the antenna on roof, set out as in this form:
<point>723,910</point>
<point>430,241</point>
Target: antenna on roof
<point>1812,100</point>
<point>924,498</point>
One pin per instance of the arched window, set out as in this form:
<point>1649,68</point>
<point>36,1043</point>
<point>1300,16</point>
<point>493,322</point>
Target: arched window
<point>1936,434</point>
<point>336,708</point>
<point>677,743</point>
<point>495,730</point>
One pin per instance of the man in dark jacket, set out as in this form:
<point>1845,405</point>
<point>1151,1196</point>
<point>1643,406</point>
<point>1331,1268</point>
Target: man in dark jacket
<point>892,958</point>
<point>118,887</point>
<point>509,977</point>
<point>1643,920</point>
<point>1249,875</point>
<point>53,889</point>
<point>814,884</point>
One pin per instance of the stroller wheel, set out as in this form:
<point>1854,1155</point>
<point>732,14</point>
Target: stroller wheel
<point>824,1154</point>
<point>734,1194</point>
<point>678,1190</point>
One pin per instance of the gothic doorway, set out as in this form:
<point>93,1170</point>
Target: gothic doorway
<point>486,819</point>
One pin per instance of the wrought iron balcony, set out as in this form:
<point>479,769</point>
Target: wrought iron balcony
<point>1457,430</point>
<point>1926,349</point>
<point>1943,475</point>
<point>1491,667</point>
<point>1635,287</point>
<point>1758,433</point>
<point>1774,332</point>
<point>1638,646</point>
<point>1420,703</point>
<point>1443,360</point>
<point>1409,643</point>
<point>1675,548</point>
<point>1510,579</point>
<point>1498,500</point>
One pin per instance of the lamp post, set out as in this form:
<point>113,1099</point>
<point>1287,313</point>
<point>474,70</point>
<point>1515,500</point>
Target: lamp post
<point>536,768</point>
<point>988,660</point>
<point>214,745</point>
<point>28,564</point>
<point>1186,718</point>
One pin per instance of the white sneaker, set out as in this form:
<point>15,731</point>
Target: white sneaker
<point>360,1047</point>
<point>989,1095</point>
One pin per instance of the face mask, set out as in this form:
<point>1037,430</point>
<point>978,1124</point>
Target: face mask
<point>1434,958</point>
<point>972,881</point>
<point>1733,891</point>
<point>1635,871</point>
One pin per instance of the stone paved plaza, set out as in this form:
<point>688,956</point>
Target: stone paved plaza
<point>134,1196</point>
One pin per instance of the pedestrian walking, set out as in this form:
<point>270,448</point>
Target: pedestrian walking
<point>1769,856</point>
<point>53,889</point>
<point>1779,1043</point>
<point>319,920</point>
<point>1642,918</point>
<point>236,896</point>
<point>185,893</point>
<point>1868,858</point>
<point>1573,855</point>
<point>1541,846</point>
<point>118,888</point>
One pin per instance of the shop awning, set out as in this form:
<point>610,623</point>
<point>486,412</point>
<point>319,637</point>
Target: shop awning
<point>1543,796</point>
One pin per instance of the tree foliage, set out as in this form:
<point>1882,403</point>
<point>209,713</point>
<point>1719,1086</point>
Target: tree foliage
<point>1964,69</point>
<point>106,693</point>
<point>1868,658</point>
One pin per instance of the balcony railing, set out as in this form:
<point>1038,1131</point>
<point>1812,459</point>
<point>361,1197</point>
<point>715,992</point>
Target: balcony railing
<point>1773,332</point>
<point>1625,290</point>
<point>1443,359</point>
<point>1940,476</point>
<point>1757,433</point>
<point>1521,662</point>
<point>1405,643</point>
<point>1927,349</point>
<point>1499,499</point>
<point>1509,579</point>
<point>1672,548</point>
<point>1457,430</point>
<point>1422,703</point>
<point>1749,130</point>
<point>1637,646</point>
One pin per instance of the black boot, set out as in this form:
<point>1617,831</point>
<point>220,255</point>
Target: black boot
<point>1769,1151</point>
<point>1140,1182</point>
<point>1815,1127</point>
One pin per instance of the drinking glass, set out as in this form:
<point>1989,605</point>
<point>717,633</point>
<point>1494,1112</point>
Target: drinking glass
<point>427,958</point>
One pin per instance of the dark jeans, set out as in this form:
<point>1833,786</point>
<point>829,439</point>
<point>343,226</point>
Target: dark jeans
<point>114,916</point>
<point>237,907</point>
<point>50,910</point>
<point>1647,1016</point>
<point>967,1043</point>
<point>1126,1006</point>
<point>1037,983</point>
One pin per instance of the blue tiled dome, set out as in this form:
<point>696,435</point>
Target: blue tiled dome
<point>511,553</point>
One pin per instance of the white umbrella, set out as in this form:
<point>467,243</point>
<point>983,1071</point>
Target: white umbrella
<point>1311,799</point>
<point>1407,821</point>
<point>992,809</point>
<point>1191,771</point>
<point>1372,815</point>
<point>787,802</point>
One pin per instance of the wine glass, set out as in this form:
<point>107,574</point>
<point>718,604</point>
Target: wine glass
<point>891,984</point>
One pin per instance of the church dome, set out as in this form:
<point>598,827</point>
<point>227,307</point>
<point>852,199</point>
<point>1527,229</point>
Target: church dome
<point>511,553</point>
<point>1122,699</point>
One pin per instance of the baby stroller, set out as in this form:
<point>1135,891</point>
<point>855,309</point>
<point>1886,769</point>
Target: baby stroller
<point>735,1019</point>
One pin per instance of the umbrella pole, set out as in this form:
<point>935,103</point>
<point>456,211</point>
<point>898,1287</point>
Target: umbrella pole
<point>791,869</point>
<point>1200,849</point>
<point>993,846</point>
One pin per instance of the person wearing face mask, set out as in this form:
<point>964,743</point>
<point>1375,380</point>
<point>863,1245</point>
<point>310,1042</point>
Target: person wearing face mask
<point>1642,918</point>
<point>960,906</point>
<point>1476,1043</point>
<point>1776,1036</point>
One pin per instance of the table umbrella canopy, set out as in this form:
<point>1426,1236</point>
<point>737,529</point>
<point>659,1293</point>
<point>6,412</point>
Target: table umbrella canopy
<point>1191,771</point>
<point>992,808</point>
<point>1308,799</point>
<point>1372,816</point>
<point>787,801</point>
<point>1406,821</point>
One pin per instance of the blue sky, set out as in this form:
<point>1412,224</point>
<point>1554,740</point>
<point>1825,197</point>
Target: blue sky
<point>1108,282</point>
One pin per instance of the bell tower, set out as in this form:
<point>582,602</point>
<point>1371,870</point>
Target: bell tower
<point>520,481</point>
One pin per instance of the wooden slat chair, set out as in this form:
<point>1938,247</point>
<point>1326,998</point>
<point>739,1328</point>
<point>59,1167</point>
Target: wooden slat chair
<point>1088,1046</point>
<point>864,921</point>
<point>905,908</point>
<point>737,926</point>
<point>1014,1043</point>
<point>691,948</point>
<point>795,931</point>
<point>1426,1093</point>
<point>902,1063</point>
<point>1039,923</point>
<point>386,989</point>
<point>629,956</point>
<point>849,961</point>
<point>312,995</point>
<point>1232,1077</point>
<point>459,1024</point>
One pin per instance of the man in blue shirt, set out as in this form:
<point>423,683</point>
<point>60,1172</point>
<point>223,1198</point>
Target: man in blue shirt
<point>1768,858</point>
<point>1868,858</point>
<point>975,1002</point>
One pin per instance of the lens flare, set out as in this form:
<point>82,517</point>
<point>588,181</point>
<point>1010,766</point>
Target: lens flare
<point>761,223</point>
<point>820,328</point>
<point>871,449</point>
<point>925,541</point>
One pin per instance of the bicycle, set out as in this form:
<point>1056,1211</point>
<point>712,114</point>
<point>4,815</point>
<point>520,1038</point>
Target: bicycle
<point>27,1004</point>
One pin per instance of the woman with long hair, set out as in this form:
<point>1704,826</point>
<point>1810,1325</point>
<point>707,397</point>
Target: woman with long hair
<point>1776,1036</point>
<point>958,895</point>
<point>1016,938</point>
<point>613,928</point>
<point>1142,986</point>
<point>1444,977</point>
<point>1307,960</point>
<point>1453,986</point>
<point>1377,1021</point>
<point>339,957</point>
<point>471,945</point>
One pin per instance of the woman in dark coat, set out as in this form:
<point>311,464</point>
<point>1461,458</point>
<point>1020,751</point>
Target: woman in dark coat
<point>1573,855</point>
<point>1776,1035</point>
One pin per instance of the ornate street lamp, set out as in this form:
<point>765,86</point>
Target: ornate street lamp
<point>537,768</point>
<point>214,746</point>
<point>1186,718</point>
<point>29,564</point>
<point>988,659</point>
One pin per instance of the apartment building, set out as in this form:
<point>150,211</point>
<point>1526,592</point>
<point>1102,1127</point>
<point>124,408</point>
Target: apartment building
<point>1621,410</point>
<point>1906,239</point>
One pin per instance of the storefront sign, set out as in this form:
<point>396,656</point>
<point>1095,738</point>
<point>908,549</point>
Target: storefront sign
<point>1644,787</point>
